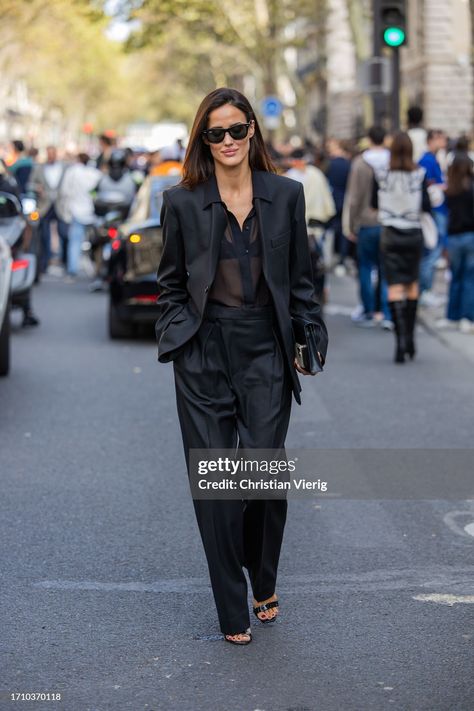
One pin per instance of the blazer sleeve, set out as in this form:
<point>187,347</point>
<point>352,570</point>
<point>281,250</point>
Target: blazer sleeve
<point>303,302</point>
<point>171,274</point>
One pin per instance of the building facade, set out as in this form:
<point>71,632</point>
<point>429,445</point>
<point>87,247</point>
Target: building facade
<point>436,70</point>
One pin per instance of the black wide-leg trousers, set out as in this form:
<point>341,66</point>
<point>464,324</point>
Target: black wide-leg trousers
<point>232,383</point>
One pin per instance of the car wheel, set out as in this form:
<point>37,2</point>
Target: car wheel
<point>5,343</point>
<point>117,327</point>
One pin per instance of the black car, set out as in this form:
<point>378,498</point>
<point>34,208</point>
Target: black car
<point>135,254</point>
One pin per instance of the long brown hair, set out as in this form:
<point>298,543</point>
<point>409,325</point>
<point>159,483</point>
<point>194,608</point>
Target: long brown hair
<point>198,163</point>
<point>460,175</point>
<point>401,152</point>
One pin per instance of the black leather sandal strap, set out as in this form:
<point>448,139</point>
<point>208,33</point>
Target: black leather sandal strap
<point>267,606</point>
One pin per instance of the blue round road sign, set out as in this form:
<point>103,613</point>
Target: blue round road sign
<point>271,106</point>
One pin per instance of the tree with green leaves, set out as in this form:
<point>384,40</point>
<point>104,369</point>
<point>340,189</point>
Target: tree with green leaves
<point>196,45</point>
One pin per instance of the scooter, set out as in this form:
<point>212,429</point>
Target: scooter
<point>111,210</point>
<point>15,230</point>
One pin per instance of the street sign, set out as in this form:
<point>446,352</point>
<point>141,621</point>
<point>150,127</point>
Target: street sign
<point>375,76</point>
<point>271,106</point>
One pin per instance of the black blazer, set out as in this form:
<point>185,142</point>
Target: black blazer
<point>192,224</point>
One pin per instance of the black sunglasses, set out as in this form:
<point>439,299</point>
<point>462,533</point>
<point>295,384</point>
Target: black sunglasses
<point>237,132</point>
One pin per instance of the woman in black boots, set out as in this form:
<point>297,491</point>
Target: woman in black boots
<point>235,268</point>
<point>401,195</point>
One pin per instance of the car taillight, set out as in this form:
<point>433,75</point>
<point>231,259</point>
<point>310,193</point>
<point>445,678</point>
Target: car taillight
<point>112,232</point>
<point>116,244</point>
<point>19,264</point>
<point>146,298</point>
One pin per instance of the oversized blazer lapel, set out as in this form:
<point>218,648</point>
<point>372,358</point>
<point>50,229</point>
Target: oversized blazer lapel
<point>218,225</point>
<point>263,210</point>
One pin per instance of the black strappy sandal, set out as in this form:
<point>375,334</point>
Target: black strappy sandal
<point>264,608</point>
<point>241,642</point>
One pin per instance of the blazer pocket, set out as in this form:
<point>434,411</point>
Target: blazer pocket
<point>180,316</point>
<point>281,239</point>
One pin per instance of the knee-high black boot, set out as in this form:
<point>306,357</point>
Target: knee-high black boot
<point>397,309</point>
<point>410,314</point>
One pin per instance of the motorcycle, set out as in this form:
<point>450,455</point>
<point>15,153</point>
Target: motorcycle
<point>111,210</point>
<point>15,230</point>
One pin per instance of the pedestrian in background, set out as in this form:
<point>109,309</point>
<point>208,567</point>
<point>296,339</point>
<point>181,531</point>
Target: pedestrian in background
<point>401,195</point>
<point>360,222</point>
<point>44,181</point>
<point>337,174</point>
<point>225,322</point>
<point>320,209</point>
<point>20,164</point>
<point>416,131</point>
<point>106,145</point>
<point>460,202</point>
<point>75,193</point>
<point>461,146</point>
<point>436,142</point>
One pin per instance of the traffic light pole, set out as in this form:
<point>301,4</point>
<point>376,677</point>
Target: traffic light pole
<point>395,89</point>
<point>378,98</point>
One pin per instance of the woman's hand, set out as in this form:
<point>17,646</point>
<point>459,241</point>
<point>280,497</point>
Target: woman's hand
<point>302,370</point>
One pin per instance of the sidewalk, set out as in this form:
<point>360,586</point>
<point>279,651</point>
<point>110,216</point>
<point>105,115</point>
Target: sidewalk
<point>429,315</point>
<point>343,299</point>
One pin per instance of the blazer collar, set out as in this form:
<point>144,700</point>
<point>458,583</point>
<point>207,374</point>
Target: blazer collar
<point>259,185</point>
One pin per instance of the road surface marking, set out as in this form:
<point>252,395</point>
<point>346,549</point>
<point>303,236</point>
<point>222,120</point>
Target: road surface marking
<point>446,599</point>
<point>469,529</point>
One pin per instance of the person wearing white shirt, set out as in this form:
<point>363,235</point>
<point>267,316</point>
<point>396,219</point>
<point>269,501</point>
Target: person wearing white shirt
<point>76,188</point>
<point>320,208</point>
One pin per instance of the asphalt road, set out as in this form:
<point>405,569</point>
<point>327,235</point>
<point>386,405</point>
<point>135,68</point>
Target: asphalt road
<point>105,596</point>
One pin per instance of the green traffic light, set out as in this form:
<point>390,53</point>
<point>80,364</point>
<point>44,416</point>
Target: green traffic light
<point>394,36</point>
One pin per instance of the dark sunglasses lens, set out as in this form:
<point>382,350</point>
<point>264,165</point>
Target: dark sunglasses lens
<point>215,135</point>
<point>239,131</point>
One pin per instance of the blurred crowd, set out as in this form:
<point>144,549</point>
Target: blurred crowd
<point>67,187</point>
<point>372,183</point>
<point>362,217</point>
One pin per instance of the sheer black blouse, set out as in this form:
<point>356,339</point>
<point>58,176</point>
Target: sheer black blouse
<point>239,279</point>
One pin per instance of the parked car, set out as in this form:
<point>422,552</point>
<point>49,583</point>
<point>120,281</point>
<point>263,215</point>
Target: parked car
<point>135,254</point>
<point>15,230</point>
<point>29,206</point>
<point>5,282</point>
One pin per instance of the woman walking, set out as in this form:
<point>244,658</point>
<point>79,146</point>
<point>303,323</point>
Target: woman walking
<point>235,268</point>
<point>460,202</point>
<point>401,195</point>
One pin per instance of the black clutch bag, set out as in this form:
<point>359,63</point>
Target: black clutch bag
<point>306,345</point>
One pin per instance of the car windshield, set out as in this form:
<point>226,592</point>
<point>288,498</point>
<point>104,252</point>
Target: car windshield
<point>159,184</point>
